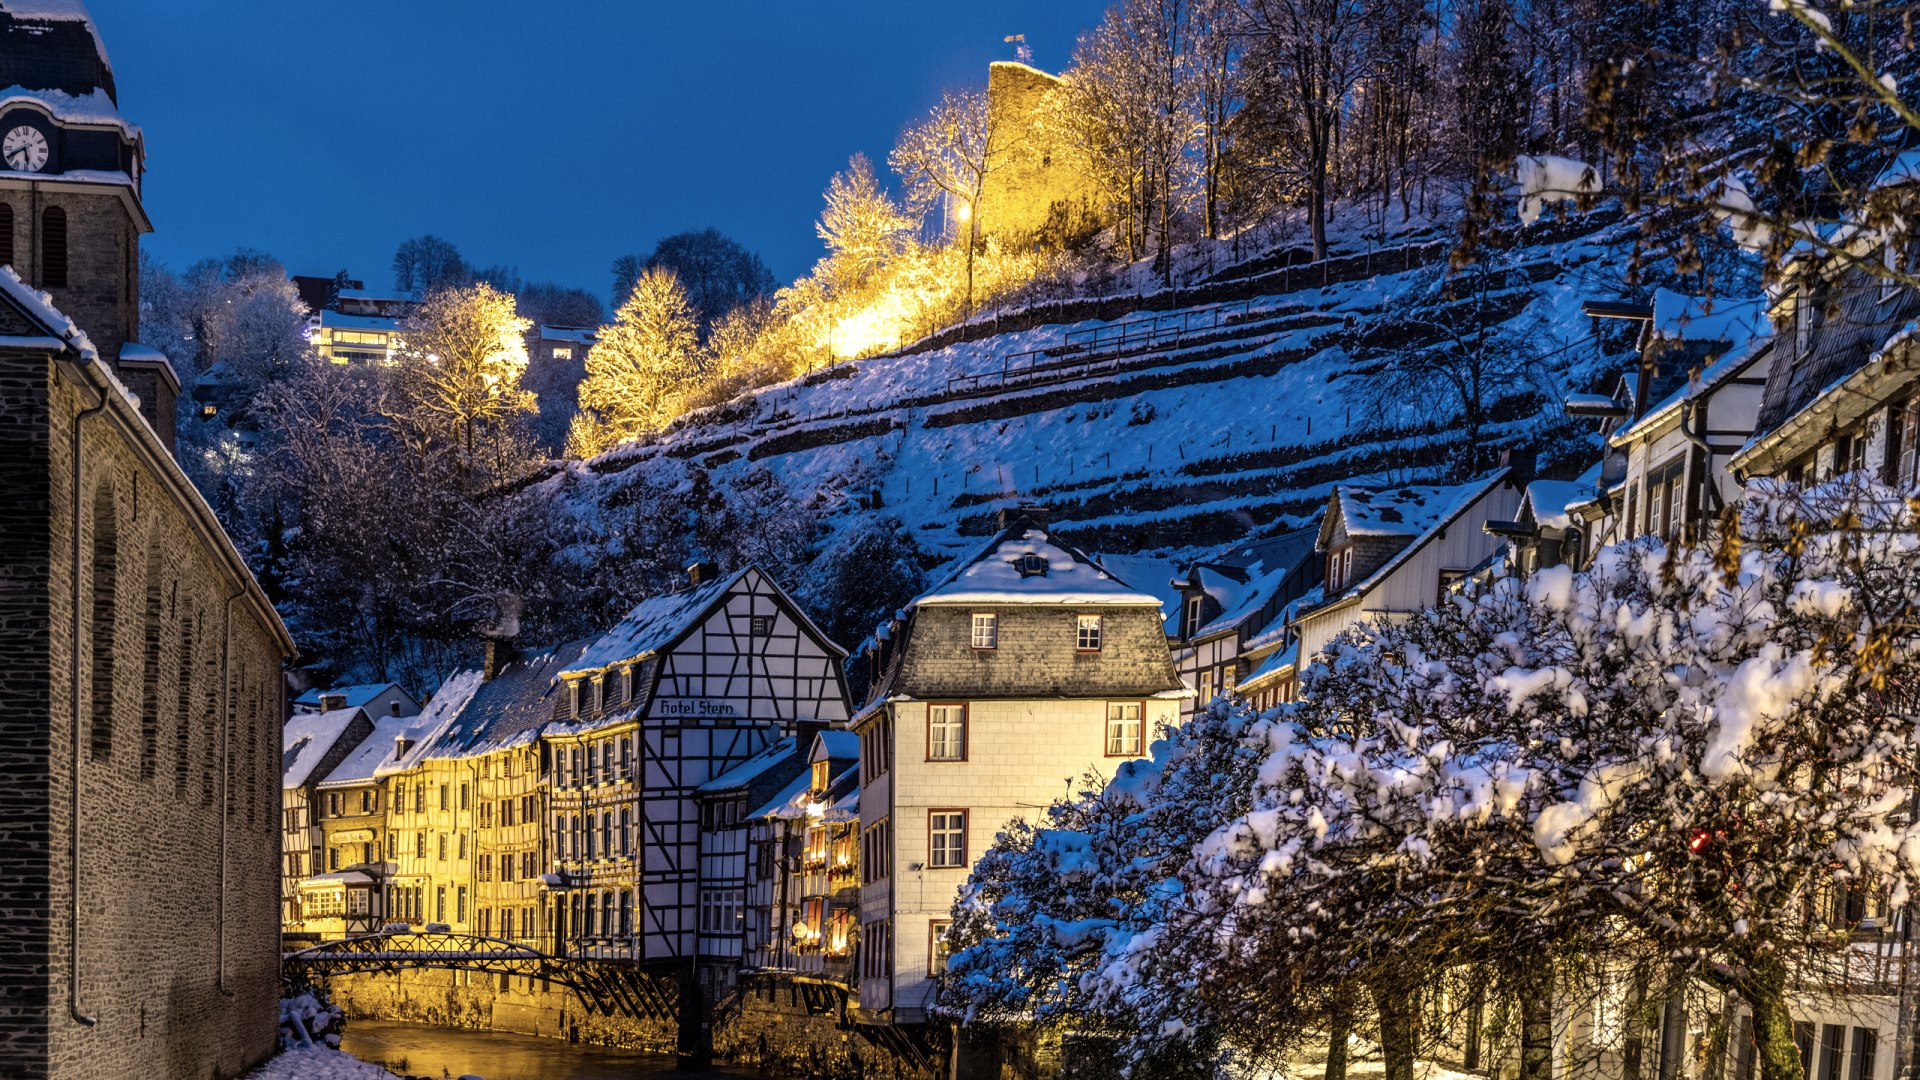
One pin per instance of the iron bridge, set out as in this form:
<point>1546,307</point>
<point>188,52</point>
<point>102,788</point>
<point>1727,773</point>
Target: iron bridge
<point>607,987</point>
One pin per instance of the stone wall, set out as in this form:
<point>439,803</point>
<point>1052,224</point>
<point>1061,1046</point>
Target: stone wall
<point>778,1026</point>
<point>1036,657</point>
<point>102,294</point>
<point>178,793</point>
<point>1034,178</point>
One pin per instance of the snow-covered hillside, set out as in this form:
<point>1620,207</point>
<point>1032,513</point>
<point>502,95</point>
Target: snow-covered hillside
<point>1172,430</point>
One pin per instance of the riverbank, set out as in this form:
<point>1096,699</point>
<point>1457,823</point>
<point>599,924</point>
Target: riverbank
<point>406,1049</point>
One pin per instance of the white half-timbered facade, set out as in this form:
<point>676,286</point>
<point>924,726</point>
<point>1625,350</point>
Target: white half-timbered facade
<point>686,687</point>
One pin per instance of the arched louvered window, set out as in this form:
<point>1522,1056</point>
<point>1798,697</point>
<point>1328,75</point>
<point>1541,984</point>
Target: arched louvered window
<point>150,672</point>
<point>106,583</point>
<point>53,248</point>
<point>6,234</point>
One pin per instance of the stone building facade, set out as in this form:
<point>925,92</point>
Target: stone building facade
<point>143,687</point>
<point>1034,182</point>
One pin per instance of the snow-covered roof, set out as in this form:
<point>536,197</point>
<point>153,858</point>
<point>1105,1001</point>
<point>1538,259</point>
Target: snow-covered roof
<point>1903,169</point>
<point>1402,511</point>
<point>653,624</point>
<point>991,577</point>
<point>1151,574</point>
<point>377,749</point>
<point>1550,499</point>
<point>306,741</point>
<point>338,320</point>
<point>1732,362</point>
<point>836,745</point>
<point>1679,317</point>
<point>95,108</point>
<point>1244,577</point>
<point>785,804</point>
<point>39,305</point>
<point>751,769</point>
<point>338,877</point>
<point>1277,664</point>
<point>352,697</point>
<point>579,335</point>
<point>380,297</point>
<point>435,722</point>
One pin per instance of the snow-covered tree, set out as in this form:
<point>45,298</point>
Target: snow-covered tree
<point>458,380</point>
<point>949,154</point>
<point>861,225</point>
<point>642,366</point>
<point>717,272</point>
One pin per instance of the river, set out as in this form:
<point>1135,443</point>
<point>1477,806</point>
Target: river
<point>419,1050</point>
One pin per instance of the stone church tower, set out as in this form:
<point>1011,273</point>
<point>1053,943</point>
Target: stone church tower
<point>141,686</point>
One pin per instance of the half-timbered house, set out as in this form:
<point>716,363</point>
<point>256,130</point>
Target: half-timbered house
<point>743,860</point>
<point>686,687</point>
<point>1023,669</point>
<point>312,744</point>
<point>1228,605</point>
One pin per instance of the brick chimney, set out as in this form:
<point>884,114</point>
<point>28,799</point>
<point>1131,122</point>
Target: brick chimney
<point>500,653</point>
<point>699,573</point>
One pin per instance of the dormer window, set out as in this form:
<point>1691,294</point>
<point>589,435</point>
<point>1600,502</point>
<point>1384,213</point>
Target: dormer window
<point>578,690</point>
<point>1191,623</point>
<point>986,630</point>
<point>819,782</point>
<point>1031,565</point>
<point>1339,568</point>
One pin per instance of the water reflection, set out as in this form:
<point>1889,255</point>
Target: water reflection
<point>418,1050</point>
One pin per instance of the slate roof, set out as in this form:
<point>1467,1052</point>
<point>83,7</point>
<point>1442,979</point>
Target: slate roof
<point>307,739</point>
<point>354,697</point>
<point>1244,577</point>
<point>653,624</point>
<point>506,710</point>
<point>374,751</point>
<point>990,577</point>
<point>1853,327</point>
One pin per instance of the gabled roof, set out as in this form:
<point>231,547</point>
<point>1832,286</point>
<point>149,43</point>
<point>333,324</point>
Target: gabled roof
<point>377,749</point>
<point>1855,329</point>
<point>1715,375</point>
<point>753,768</point>
<point>1244,577</point>
<point>1434,509</point>
<point>1547,501</point>
<point>1409,511</point>
<point>355,697</point>
<point>491,714</point>
<point>989,576</point>
<point>307,739</point>
<point>652,625</point>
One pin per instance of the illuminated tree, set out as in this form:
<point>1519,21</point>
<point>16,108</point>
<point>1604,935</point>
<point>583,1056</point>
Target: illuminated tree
<point>458,381</point>
<point>642,367</point>
<point>862,226</point>
<point>950,153</point>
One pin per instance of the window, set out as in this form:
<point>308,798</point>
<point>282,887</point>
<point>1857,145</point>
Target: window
<point>986,631</point>
<point>593,763</point>
<point>1124,728</point>
<point>485,868</point>
<point>1206,686</point>
<point>606,835</point>
<point>563,352</point>
<point>440,903</point>
<point>1866,1042</point>
<point>463,797</point>
<point>1190,621</point>
<point>443,796</point>
<point>626,914</point>
<point>420,845</point>
<point>720,910</point>
<point>626,830</point>
<point>876,958</point>
<point>460,904</point>
<point>946,838</point>
<point>760,625</point>
<point>463,845</point>
<point>442,838</point>
<point>576,695</point>
<point>876,852</point>
<point>1087,635</point>
<point>420,797</point>
<point>366,802</point>
<point>53,248</point>
<point>588,832</point>
<point>946,733</point>
<point>937,948</point>
<point>1339,568</point>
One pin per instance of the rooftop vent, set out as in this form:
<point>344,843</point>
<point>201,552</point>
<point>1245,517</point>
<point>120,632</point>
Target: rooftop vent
<point>1031,565</point>
<point>332,702</point>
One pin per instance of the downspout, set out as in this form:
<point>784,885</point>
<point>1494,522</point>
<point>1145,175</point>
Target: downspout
<point>1712,503</point>
<point>224,808</point>
<point>73,684</point>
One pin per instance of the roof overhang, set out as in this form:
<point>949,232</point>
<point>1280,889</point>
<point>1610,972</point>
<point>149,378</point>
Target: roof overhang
<point>1871,387</point>
<point>123,187</point>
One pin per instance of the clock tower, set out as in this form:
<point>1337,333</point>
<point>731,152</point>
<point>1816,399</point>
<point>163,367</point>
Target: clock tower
<point>71,168</point>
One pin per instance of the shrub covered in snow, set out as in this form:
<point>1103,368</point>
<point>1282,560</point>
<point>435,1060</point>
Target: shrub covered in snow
<point>1669,762</point>
<point>310,1018</point>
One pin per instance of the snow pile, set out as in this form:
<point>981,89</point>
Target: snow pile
<point>309,1019</point>
<point>1548,178</point>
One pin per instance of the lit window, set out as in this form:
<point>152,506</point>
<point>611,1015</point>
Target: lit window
<point>986,631</point>
<point>947,838</point>
<point>1123,729</point>
<point>946,732</point>
<point>1088,637</point>
<point>938,950</point>
<point>563,352</point>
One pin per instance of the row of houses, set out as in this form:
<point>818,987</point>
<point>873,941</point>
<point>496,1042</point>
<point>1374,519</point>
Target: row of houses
<point>347,323</point>
<point>695,786</point>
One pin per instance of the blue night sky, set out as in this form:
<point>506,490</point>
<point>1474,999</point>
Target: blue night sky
<point>550,136</point>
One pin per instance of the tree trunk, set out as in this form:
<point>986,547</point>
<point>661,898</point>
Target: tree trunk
<point>1777,1053</point>
<point>1536,1027</point>
<point>1397,1034</point>
<point>1337,1034</point>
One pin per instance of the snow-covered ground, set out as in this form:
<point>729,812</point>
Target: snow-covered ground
<point>318,1063</point>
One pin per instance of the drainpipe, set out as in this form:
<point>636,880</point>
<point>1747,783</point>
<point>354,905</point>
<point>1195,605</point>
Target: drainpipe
<point>223,807</point>
<point>1687,412</point>
<point>79,1015</point>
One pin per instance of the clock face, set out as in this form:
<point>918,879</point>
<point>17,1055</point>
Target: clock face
<point>24,149</point>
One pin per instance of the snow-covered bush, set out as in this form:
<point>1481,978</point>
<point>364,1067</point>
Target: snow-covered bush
<point>1669,761</point>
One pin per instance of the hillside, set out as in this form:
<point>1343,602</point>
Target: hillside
<point>1168,431</point>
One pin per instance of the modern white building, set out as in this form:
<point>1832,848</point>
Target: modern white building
<point>1026,668</point>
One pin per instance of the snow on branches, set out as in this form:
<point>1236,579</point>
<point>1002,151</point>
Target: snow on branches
<point>1671,759</point>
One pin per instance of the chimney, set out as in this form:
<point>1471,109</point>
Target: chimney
<point>332,702</point>
<point>500,653</point>
<point>699,573</point>
<point>1028,514</point>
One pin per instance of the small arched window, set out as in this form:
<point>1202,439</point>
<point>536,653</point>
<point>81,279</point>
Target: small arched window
<point>6,233</point>
<point>53,248</point>
<point>105,583</point>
